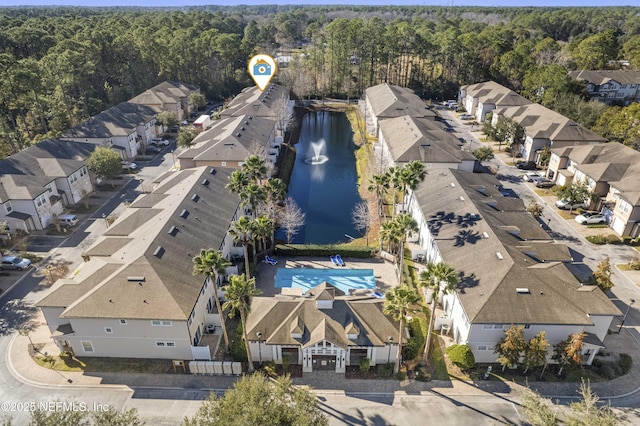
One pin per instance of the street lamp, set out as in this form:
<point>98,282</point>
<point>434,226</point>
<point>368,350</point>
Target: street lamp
<point>624,318</point>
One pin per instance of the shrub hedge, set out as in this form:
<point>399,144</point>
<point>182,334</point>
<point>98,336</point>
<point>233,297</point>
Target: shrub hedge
<point>415,345</point>
<point>461,356</point>
<point>292,250</point>
<point>603,239</point>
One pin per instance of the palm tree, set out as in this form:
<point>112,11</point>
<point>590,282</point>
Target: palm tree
<point>412,175</point>
<point>379,184</point>
<point>254,168</point>
<point>403,223</point>
<point>275,189</point>
<point>389,232</point>
<point>243,232</point>
<point>440,277</point>
<point>250,196</point>
<point>397,303</point>
<point>395,178</point>
<point>237,182</point>
<point>238,293</point>
<point>211,263</point>
<point>264,229</point>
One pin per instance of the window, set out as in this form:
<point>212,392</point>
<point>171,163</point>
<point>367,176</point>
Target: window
<point>108,330</point>
<point>527,326</point>
<point>482,347</point>
<point>487,326</point>
<point>41,200</point>
<point>171,344</point>
<point>8,206</point>
<point>87,346</point>
<point>497,326</point>
<point>159,323</point>
<point>123,322</point>
<point>160,344</point>
<point>223,163</point>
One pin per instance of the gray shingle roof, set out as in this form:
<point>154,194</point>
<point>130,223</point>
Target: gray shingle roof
<point>120,120</point>
<point>274,319</point>
<point>421,139</point>
<point>388,101</point>
<point>490,92</point>
<point>600,77</point>
<point>491,251</point>
<point>143,246</point>
<point>252,102</point>
<point>167,92</point>
<point>230,139</point>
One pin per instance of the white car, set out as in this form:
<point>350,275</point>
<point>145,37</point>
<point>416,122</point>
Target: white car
<point>14,262</point>
<point>129,166</point>
<point>160,142</point>
<point>564,204</point>
<point>590,218</point>
<point>531,176</point>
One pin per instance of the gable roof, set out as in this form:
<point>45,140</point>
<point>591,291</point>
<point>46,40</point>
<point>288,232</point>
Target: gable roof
<point>22,187</point>
<point>540,122</point>
<point>167,92</point>
<point>157,242</point>
<point>600,77</point>
<point>490,92</point>
<point>256,103</point>
<point>489,243</point>
<point>612,162</point>
<point>275,319</point>
<point>410,139</point>
<point>230,139</point>
<point>388,100</point>
<point>51,157</point>
<point>120,120</point>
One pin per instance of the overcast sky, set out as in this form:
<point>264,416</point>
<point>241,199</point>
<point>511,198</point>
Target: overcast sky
<point>352,2</point>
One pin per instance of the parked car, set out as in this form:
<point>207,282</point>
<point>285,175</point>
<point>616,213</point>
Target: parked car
<point>68,220</point>
<point>129,166</point>
<point>589,218</point>
<point>14,262</point>
<point>531,176</point>
<point>152,149</point>
<point>564,204</point>
<point>526,165</point>
<point>543,183</point>
<point>466,117</point>
<point>159,142</point>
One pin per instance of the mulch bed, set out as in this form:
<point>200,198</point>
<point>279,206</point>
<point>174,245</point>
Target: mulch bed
<point>353,372</point>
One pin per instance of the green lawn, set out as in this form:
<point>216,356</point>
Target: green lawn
<point>87,364</point>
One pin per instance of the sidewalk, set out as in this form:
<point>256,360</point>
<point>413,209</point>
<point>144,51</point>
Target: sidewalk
<point>27,371</point>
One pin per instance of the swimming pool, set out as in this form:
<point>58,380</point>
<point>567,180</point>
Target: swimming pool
<point>307,278</point>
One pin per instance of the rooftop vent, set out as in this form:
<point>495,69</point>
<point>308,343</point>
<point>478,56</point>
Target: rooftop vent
<point>205,182</point>
<point>485,235</point>
<point>499,255</point>
<point>184,213</point>
<point>522,290</point>
<point>461,198</point>
<point>138,279</point>
<point>158,251</point>
<point>250,118</point>
<point>453,185</point>
<point>237,135</point>
<point>213,171</point>
<point>195,198</point>
<point>173,231</point>
<point>246,122</point>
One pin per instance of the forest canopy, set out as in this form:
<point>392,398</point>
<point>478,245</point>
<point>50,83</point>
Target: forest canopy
<point>60,66</point>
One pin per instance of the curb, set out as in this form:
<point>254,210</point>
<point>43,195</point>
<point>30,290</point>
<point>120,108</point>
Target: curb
<point>19,377</point>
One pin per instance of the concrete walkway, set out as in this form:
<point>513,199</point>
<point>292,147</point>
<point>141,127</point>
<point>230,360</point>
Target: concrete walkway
<point>27,371</point>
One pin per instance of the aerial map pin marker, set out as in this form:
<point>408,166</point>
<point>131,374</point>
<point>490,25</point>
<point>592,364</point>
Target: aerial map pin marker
<point>262,68</point>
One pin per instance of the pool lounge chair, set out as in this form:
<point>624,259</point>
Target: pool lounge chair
<point>270,260</point>
<point>334,260</point>
<point>340,261</point>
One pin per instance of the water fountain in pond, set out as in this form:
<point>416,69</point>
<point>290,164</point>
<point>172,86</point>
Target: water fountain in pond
<point>318,157</point>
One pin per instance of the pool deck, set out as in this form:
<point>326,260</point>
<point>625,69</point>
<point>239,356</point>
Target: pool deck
<point>383,271</point>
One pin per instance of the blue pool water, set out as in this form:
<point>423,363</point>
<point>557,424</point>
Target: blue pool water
<point>307,278</point>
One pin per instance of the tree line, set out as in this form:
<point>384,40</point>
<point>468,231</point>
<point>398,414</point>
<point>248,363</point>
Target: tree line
<point>61,66</point>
